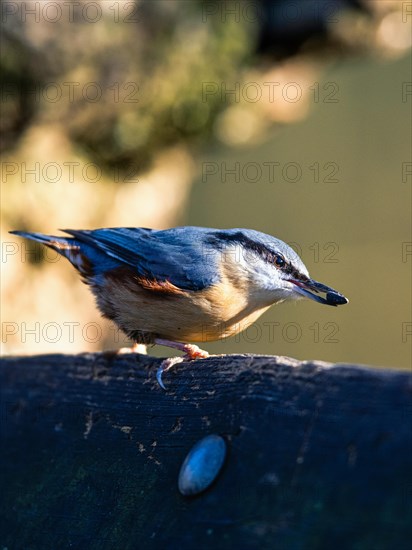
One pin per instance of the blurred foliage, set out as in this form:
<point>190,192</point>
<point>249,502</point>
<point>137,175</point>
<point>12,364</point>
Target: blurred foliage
<point>148,71</point>
<point>133,80</point>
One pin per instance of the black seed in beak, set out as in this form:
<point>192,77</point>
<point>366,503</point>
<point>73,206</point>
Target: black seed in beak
<point>312,289</point>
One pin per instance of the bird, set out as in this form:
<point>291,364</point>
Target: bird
<point>185,284</point>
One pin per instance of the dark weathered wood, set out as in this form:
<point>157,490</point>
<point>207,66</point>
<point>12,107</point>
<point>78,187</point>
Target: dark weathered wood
<point>319,456</point>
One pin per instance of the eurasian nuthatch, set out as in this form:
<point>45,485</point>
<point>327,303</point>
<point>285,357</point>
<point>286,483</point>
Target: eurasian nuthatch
<point>187,283</point>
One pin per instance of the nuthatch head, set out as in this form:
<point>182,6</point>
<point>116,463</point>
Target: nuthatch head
<point>187,283</point>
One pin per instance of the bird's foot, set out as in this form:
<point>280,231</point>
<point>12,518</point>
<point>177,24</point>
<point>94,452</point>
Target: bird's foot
<point>191,352</point>
<point>136,348</point>
<point>194,352</point>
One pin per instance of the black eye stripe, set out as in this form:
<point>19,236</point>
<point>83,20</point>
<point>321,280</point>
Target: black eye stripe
<point>267,254</point>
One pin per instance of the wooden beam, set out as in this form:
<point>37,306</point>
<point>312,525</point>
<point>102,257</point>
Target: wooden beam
<point>319,455</point>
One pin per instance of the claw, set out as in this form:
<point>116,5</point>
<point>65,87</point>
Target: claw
<point>159,378</point>
<point>165,366</point>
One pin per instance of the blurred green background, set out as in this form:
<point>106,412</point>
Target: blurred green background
<point>206,113</point>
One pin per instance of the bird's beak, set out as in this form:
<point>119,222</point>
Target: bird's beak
<point>312,289</point>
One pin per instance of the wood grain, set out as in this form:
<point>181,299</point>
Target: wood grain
<point>319,455</point>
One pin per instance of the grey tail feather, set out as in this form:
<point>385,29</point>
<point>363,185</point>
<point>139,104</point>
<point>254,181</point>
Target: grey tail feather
<point>62,245</point>
<point>49,240</point>
<point>66,246</point>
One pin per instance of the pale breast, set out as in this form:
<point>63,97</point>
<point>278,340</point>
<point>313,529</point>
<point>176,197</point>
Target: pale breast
<point>165,311</point>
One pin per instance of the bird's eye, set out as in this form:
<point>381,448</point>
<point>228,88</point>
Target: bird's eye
<point>279,261</point>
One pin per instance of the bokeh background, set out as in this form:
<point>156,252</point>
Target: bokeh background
<point>290,117</point>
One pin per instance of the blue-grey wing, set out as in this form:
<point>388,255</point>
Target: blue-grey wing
<point>182,255</point>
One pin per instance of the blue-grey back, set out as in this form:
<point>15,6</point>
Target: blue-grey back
<point>186,256</point>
